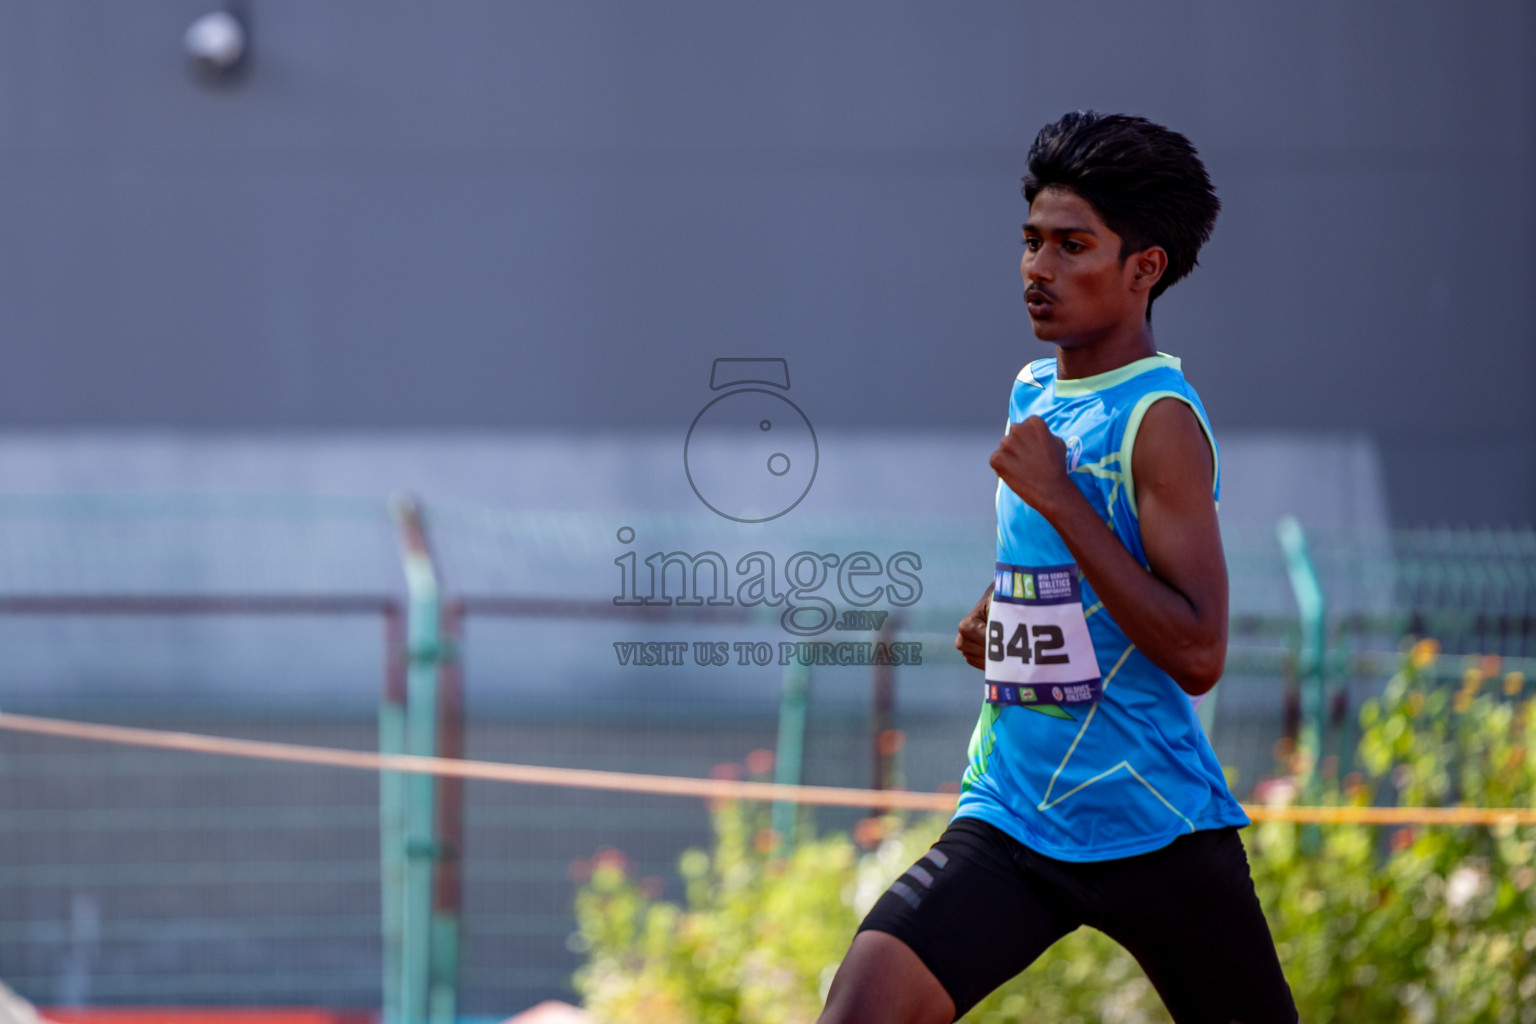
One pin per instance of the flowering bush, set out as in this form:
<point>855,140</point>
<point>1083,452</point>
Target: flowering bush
<point>1405,925</point>
<point>757,943</point>
<point>1416,924</point>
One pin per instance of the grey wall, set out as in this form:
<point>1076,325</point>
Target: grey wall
<point>499,215</point>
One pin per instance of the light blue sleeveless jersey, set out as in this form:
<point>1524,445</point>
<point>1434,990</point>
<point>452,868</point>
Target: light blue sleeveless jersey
<point>1130,773</point>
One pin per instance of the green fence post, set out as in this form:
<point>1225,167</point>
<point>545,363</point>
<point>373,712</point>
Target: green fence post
<point>1311,666</point>
<point>424,649</point>
<point>392,813</point>
<point>789,761</point>
<point>1206,713</point>
<point>443,984</point>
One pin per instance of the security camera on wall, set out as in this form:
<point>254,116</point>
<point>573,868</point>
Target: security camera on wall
<point>218,44</point>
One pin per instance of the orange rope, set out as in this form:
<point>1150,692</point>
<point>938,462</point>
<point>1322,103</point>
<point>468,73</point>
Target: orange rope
<point>1393,815</point>
<point>670,785</point>
<point>532,775</point>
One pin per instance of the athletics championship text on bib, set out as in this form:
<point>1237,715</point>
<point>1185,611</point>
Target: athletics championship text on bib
<point>1038,647</point>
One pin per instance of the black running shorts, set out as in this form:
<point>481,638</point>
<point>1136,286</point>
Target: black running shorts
<point>980,907</point>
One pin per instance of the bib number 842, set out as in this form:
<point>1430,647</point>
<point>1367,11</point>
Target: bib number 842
<point>1047,639</point>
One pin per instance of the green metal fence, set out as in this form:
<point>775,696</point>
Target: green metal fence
<point>135,877</point>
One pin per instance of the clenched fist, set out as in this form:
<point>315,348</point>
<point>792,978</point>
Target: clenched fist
<point>971,636</point>
<point>1032,461</point>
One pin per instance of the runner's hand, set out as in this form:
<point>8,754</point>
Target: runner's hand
<point>971,637</point>
<point>1032,461</point>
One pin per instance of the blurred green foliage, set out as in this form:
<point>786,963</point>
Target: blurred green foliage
<point>1416,924</point>
<point>1411,925</point>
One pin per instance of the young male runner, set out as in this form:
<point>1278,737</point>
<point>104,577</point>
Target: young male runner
<point>1092,796</point>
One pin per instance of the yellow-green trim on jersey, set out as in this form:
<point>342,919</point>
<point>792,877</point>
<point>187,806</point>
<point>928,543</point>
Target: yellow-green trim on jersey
<point>1133,427</point>
<point>1076,387</point>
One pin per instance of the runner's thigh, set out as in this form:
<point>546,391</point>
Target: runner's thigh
<point>971,913</point>
<point>1189,915</point>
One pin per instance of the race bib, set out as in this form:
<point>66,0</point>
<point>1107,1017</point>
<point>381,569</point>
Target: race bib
<point>1038,647</point>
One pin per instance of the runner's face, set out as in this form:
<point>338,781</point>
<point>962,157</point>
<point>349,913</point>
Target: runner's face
<point>1076,287</point>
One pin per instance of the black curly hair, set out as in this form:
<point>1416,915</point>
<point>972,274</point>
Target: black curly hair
<point>1144,180</point>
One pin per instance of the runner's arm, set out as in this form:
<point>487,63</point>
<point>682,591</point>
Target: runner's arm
<point>1176,614</point>
<point>971,635</point>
